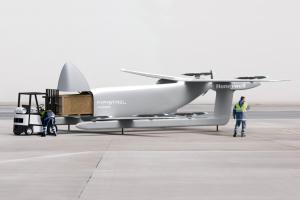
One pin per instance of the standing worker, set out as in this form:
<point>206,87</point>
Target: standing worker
<point>239,115</point>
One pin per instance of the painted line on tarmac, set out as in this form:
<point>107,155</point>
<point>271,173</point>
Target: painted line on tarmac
<point>46,156</point>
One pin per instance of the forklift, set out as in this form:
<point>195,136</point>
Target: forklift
<point>27,117</point>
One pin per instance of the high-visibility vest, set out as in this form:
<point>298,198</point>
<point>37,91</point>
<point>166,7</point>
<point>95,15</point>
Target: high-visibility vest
<point>43,113</point>
<point>242,108</point>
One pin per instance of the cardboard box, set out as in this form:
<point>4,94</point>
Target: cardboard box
<point>76,104</point>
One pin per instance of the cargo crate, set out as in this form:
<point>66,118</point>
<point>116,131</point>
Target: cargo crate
<point>76,104</point>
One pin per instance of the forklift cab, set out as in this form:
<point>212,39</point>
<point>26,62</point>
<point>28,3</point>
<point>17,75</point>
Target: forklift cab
<point>27,117</point>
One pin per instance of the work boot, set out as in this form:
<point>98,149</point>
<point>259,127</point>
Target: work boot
<point>234,135</point>
<point>243,134</point>
<point>44,133</point>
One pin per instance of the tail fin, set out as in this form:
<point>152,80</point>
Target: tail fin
<point>72,80</point>
<point>224,96</point>
<point>223,105</point>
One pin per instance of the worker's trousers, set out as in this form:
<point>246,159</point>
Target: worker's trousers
<point>238,123</point>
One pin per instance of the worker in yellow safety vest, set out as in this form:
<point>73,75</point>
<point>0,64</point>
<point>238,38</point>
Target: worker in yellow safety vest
<point>239,115</point>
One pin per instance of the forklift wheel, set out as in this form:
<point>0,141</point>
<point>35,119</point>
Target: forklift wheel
<point>29,131</point>
<point>17,133</point>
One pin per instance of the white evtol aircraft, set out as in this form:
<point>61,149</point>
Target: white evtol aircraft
<point>154,105</point>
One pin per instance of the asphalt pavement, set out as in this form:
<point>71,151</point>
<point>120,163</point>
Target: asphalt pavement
<point>174,163</point>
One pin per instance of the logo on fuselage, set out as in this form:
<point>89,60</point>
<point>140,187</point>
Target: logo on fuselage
<point>109,103</point>
<point>234,86</point>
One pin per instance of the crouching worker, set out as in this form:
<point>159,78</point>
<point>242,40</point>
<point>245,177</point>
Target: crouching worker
<point>239,114</point>
<point>48,122</point>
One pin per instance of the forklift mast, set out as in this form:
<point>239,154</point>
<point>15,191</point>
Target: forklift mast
<point>52,100</point>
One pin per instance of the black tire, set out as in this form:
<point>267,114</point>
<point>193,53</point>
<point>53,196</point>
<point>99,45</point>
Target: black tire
<point>17,133</point>
<point>18,130</point>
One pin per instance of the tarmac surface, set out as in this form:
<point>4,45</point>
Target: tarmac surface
<point>179,163</point>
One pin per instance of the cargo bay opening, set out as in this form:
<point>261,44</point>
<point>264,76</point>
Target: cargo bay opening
<point>70,108</point>
<point>75,104</point>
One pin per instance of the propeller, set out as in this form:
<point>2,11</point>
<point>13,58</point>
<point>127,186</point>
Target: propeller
<point>252,77</point>
<point>198,75</point>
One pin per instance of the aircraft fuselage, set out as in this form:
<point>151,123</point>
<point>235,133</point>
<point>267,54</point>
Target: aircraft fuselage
<point>145,100</point>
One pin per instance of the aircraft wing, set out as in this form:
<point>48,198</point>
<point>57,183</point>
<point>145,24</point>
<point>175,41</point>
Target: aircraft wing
<point>173,78</point>
<point>189,79</point>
